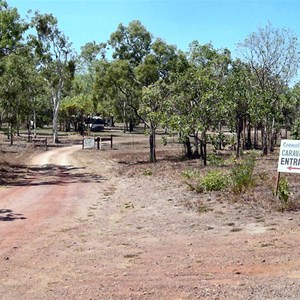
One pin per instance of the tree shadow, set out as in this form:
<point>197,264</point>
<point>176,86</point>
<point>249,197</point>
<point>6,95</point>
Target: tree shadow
<point>7,215</point>
<point>22,175</point>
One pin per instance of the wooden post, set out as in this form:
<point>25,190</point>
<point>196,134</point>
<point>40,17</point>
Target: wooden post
<point>277,183</point>
<point>98,142</point>
<point>111,141</point>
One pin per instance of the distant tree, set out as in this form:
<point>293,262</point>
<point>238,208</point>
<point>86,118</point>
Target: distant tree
<point>240,97</point>
<point>273,56</point>
<point>131,43</point>
<point>19,85</point>
<point>156,73</point>
<point>12,29</point>
<point>55,58</point>
<point>198,101</point>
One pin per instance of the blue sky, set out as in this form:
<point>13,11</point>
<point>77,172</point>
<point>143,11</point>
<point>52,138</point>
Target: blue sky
<point>178,22</point>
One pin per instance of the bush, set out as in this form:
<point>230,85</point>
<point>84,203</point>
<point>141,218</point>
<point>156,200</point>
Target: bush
<point>214,181</point>
<point>215,160</point>
<point>148,172</point>
<point>190,174</point>
<point>283,190</point>
<point>286,202</point>
<point>295,132</point>
<point>242,174</point>
<point>240,178</point>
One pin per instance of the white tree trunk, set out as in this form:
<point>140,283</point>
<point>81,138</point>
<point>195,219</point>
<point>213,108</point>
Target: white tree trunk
<point>56,98</point>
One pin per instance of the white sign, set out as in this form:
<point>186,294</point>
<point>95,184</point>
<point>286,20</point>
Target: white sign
<point>289,157</point>
<point>88,143</point>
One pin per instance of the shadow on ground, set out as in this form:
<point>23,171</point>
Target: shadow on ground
<point>22,175</point>
<point>9,215</point>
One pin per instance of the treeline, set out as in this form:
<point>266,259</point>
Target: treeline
<point>136,78</point>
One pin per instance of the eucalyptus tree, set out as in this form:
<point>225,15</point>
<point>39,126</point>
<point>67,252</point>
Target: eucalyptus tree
<point>55,60</point>
<point>10,86</point>
<point>138,77</point>
<point>291,111</point>
<point>19,86</point>
<point>274,59</point>
<point>156,74</point>
<point>240,99</point>
<point>12,28</point>
<point>199,95</point>
<point>130,44</point>
<point>80,101</point>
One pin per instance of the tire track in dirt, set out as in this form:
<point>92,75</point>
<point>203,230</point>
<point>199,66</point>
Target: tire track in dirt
<point>41,200</point>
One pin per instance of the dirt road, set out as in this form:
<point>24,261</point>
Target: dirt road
<point>77,228</point>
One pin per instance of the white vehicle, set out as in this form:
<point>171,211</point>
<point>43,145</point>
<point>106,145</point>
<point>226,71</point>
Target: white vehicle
<point>95,123</point>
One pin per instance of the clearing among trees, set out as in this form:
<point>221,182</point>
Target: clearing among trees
<point>90,224</point>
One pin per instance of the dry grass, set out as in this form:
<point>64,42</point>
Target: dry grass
<point>131,159</point>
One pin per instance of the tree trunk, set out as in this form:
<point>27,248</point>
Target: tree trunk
<point>11,133</point>
<point>196,145</point>
<point>188,148</point>
<point>204,148</point>
<point>130,126</point>
<point>152,144</point>
<point>124,117</point>
<point>56,98</point>
<point>55,120</point>
<point>34,123</point>
<point>244,132</point>
<point>255,141</point>
<point>272,138</point>
<point>265,139</point>
<point>238,136</point>
<point>28,129</point>
<point>248,139</point>
<point>220,137</point>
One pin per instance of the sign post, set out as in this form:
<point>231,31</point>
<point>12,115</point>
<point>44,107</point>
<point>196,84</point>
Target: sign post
<point>88,143</point>
<point>289,158</point>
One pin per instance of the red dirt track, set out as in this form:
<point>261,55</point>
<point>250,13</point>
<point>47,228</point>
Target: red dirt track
<point>79,227</point>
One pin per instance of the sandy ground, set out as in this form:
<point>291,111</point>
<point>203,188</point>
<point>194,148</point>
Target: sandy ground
<point>80,227</point>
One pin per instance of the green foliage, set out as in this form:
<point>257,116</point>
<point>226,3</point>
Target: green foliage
<point>214,181</point>
<point>190,174</point>
<point>215,160</point>
<point>218,140</point>
<point>148,172</point>
<point>295,132</point>
<point>11,29</point>
<point>164,140</point>
<point>242,174</point>
<point>283,191</point>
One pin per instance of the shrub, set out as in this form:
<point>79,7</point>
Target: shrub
<point>214,181</point>
<point>148,172</point>
<point>283,194</point>
<point>242,174</point>
<point>295,132</point>
<point>190,174</point>
<point>218,140</point>
<point>215,160</point>
<point>283,190</point>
